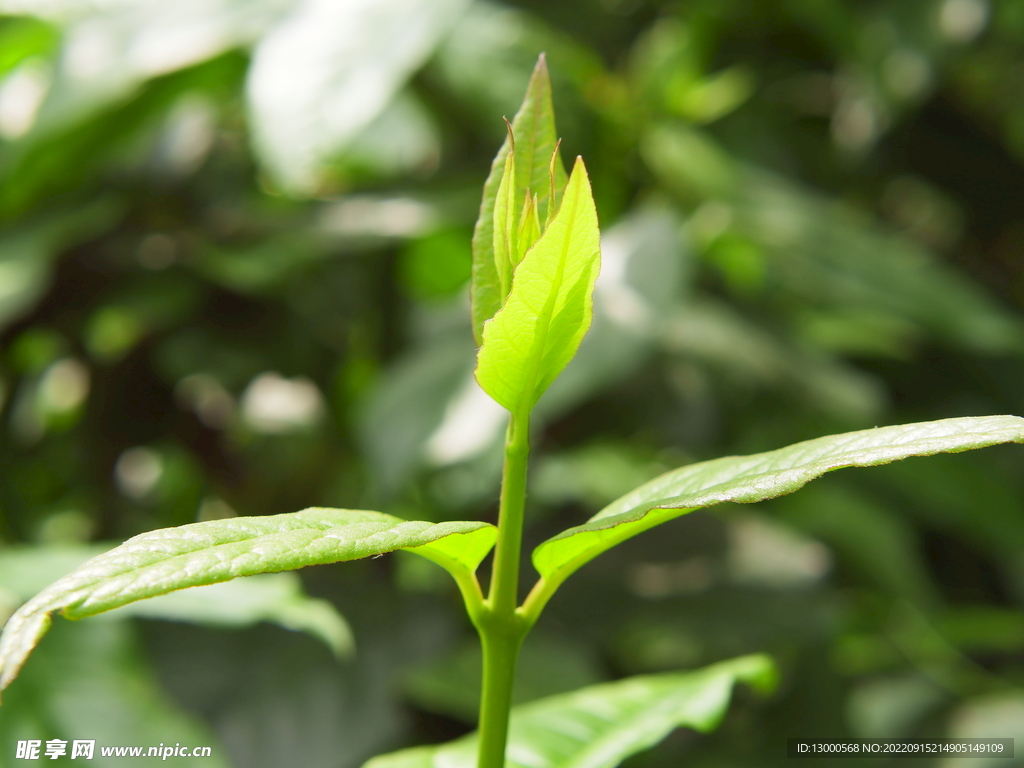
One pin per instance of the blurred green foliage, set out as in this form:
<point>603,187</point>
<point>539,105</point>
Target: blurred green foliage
<point>233,254</point>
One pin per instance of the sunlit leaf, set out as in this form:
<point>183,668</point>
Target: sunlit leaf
<point>600,726</point>
<point>534,129</point>
<point>161,561</point>
<point>761,476</point>
<point>328,69</point>
<point>538,330</point>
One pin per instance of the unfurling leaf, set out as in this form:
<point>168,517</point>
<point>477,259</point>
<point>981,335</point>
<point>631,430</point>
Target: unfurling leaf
<point>505,229</point>
<point>536,139</point>
<point>602,725</point>
<point>539,328</point>
<point>556,183</point>
<point>162,561</point>
<point>759,477</point>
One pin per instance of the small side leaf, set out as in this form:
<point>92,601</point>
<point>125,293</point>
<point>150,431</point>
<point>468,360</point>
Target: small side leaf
<point>162,561</point>
<point>600,726</point>
<point>534,128</point>
<point>538,330</point>
<point>759,477</point>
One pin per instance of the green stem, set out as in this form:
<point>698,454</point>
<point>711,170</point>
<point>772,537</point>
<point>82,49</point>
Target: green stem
<point>501,628</point>
<point>500,653</point>
<point>505,575</point>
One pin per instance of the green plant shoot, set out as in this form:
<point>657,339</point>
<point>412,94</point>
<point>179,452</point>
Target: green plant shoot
<point>536,259</point>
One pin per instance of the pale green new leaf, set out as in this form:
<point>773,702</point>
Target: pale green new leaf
<point>758,477</point>
<point>600,726</point>
<point>528,230</point>
<point>162,561</point>
<point>534,129</point>
<point>505,225</point>
<point>548,311</point>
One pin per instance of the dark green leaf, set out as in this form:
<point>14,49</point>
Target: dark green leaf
<point>273,597</point>
<point>758,477</point>
<point>161,561</point>
<point>600,726</point>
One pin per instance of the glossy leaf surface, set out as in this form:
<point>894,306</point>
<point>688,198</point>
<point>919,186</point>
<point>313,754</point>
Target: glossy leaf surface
<point>548,311</point>
<point>161,561</point>
<point>600,726</point>
<point>759,477</point>
<point>534,129</point>
<point>273,597</point>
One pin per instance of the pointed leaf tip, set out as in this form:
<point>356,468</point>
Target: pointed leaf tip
<point>534,129</point>
<point>549,309</point>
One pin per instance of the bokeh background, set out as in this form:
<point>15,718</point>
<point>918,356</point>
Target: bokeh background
<point>234,246</point>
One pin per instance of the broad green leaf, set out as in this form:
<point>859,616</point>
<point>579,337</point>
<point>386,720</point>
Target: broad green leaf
<point>162,561</point>
<point>600,726</point>
<point>538,330</point>
<point>534,129</point>
<point>273,597</point>
<point>759,477</point>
